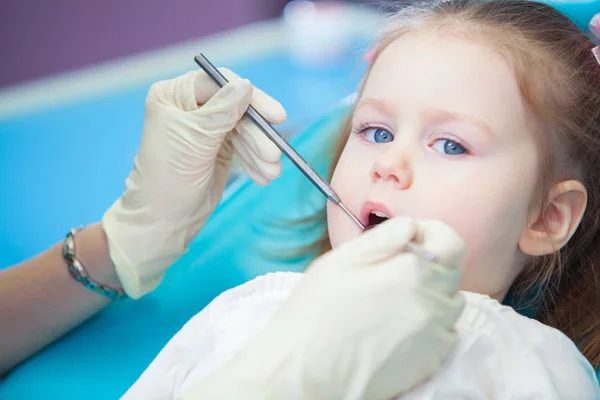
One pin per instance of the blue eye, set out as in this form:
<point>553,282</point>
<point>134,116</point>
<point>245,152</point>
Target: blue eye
<point>378,135</point>
<point>448,147</point>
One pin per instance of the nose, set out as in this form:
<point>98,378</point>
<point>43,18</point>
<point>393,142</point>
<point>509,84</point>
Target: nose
<point>393,165</point>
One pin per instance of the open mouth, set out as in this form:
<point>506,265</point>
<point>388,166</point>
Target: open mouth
<point>376,218</point>
<point>373,214</point>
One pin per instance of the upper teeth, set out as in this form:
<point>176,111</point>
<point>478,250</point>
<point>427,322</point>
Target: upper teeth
<point>380,214</point>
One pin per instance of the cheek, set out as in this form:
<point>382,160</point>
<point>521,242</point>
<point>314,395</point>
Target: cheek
<point>337,226</point>
<point>489,213</point>
<point>351,182</point>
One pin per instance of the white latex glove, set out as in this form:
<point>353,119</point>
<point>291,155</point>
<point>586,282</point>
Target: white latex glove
<point>191,130</point>
<point>367,321</point>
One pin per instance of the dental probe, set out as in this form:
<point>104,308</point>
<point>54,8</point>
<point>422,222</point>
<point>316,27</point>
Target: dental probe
<point>296,158</point>
<point>280,142</point>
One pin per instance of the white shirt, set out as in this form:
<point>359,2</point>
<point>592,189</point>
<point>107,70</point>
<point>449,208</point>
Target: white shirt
<point>500,354</point>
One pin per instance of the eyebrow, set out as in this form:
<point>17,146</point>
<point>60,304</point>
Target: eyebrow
<point>441,116</point>
<point>380,105</point>
<point>437,115</point>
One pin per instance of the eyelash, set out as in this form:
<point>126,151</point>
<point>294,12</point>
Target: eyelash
<point>365,126</point>
<point>454,140</point>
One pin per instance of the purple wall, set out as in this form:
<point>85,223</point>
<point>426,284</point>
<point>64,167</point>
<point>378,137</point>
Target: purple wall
<point>41,38</point>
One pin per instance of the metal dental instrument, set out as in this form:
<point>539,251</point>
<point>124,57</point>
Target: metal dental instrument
<point>293,155</point>
<point>280,142</point>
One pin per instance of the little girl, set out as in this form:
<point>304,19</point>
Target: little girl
<point>485,116</point>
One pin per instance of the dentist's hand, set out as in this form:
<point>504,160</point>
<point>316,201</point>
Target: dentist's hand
<point>191,130</point>
<point>367,321</point>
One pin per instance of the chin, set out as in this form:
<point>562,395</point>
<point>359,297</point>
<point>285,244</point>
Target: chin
<point>342,233</point>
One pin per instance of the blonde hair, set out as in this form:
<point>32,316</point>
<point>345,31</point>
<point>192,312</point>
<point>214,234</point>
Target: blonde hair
<point>559,80</point>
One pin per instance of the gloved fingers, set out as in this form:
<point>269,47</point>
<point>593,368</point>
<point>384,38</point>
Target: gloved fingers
<point>267,158</point>
<point>440,278</point>
<point>221,113</point>
<point>446,308</point>
<point>256,141</point>
<point>205,87</point>
<point>260,172</point>
<point>398,272</point>
<point>250,167</point>
<point>267,106</point>
<point>177,92</point>
<point>437,306</point>
<point>270,170</point>
<point>381,243</point>
<point>442,241</point>
<point>436,283</point>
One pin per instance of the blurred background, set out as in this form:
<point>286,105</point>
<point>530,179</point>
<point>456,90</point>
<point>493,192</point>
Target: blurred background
<point>40,39</point>
<point>74,75</point>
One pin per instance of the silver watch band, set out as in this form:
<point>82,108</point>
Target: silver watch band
<point>79,273</point>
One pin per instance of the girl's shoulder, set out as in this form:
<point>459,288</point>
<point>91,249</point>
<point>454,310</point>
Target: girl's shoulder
<point>514,356</point>
<point>486,316</point>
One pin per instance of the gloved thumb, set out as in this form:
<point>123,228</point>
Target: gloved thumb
<point>442,241</point>
<point>220,114</point>
<point>381,243</point>
<point>439,239</point>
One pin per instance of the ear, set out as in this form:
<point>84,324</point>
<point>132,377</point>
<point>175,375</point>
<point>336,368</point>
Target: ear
<point>550,229</point>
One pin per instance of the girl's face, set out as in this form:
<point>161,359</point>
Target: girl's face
<point>440,132</point>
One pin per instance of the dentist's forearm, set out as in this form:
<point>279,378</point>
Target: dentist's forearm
<point>40,301</point>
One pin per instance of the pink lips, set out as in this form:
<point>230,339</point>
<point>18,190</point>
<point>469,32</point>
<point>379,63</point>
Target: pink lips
<point>369,207</point>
